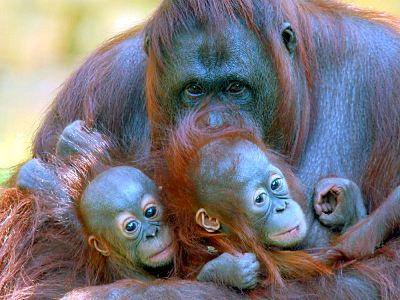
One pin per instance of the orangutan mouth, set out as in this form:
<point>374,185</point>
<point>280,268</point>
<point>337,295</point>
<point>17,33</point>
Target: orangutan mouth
<point>163,254</point>
<point>286,234</point>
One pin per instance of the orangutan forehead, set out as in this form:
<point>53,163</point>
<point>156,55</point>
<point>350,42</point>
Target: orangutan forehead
<point>214,48</point>
<point>117,189</point>
<point>238,162</point>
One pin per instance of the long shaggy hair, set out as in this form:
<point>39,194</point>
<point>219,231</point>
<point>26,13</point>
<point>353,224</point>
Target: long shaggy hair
<point>286,274</point>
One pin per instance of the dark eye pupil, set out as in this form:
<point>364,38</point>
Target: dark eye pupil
<point>261,198</point>
<point>131,226</point>
<point>275,184</point>
<point>235,88</point>
<point>150,212</point>
<point>195,90</point>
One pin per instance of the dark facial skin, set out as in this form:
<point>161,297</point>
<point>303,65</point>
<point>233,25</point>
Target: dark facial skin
<point>242,176</point>
<point>220,68</point>
<point>121,210</point>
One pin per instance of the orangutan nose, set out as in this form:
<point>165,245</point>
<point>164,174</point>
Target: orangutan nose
<point>215,119</point>
<point>152,232</point>
<point>281,205</point>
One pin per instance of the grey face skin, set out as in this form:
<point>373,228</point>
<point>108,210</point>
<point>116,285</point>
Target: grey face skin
<point>240,175</point>
<point>121,210</point>
<point>227,66</point>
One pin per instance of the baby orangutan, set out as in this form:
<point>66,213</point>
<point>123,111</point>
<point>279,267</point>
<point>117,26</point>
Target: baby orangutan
<point>240,174</point>
<point>122,215</point>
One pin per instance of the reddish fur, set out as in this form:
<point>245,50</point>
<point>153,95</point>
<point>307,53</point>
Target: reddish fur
<point>279,267</point>
<point>40,256</point>
<point>182,159</point>
<point>98,93</point>
<point>296,102</point>
<point>104,93</point>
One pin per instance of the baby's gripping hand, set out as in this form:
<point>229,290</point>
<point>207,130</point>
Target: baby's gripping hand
<point>239,271</point>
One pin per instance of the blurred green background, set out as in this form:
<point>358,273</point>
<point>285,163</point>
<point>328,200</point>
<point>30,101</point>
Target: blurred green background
<point>42,41</point>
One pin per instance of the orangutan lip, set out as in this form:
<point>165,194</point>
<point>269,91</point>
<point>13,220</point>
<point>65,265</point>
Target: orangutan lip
<point>294,229</point>
<point>163,252</point>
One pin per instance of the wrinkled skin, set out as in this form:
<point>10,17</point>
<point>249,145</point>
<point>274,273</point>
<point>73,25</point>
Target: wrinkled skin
<point>34,176</point>
<point>239,271</point>
<point>362,239</point>
<point>236,73</point>
<point>75,139</point>
<point>123,215</point>
<point>78,139</point>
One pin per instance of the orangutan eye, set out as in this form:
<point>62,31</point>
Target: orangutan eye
<point>131,226</point>
<point>150,212</point>
<point>194,90</point>
<point>261,197</point>
<point>277,184</point>
<point>235,88</point>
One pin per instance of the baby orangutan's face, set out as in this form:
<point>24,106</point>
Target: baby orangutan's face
<point>122,211</point>
<point>241,175</point>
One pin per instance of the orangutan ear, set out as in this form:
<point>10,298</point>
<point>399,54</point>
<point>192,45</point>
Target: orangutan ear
<point>98,245</point>
<point>289,37</point>
<point>146,44</point>
<point>208,223</point>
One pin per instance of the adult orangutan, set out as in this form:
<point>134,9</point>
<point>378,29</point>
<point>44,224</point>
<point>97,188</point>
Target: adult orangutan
<point>318,78</point>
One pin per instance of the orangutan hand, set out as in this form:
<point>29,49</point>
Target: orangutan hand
<point>239,271</point>
<point>36,177</point>
<point>338,203</point>
<point>76,138</point>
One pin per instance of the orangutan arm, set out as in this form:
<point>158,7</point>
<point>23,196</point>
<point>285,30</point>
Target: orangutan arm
<point>160,289</point>
<point>362,239</point>
<point>339,204</point>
